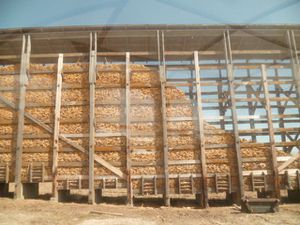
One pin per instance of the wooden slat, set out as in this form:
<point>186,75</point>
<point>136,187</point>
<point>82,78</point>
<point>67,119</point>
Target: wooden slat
<point>201,132</point>
<point>23,81</point>
<point>271,131</point>
<point>56,125</point>
<point>128,133</point>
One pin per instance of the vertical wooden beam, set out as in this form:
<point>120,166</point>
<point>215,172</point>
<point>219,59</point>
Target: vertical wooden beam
<point>201,131</point>
<point>6,173</point>
<point>162,72</point>
<point>280,110</point>
<point>127,113</point>
<point>271,131</point>
<point>251,109</point>
<point>222,109</point>
<point>294,61</point>
<point>165,136</point>
<point>92,83</point>
<point>30,172</point>
<point>237,144</point>
<point>23,79</point>
<point>56,125</point>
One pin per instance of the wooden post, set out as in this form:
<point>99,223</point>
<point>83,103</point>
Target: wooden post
<point>201,132</point>
<point>294,60</point>
<point>222,110</point>
<point>56,126</point>
<point>23,79</point>
<point>162,73</point>
<point>92,83</point>
<point>127,113</point>
<point>30,172</point>
<point>271,131</point>
<point>6,173</point>
<point>280,109</point>
<point>251,109</point>
<point>165,136</point>
<point>237,143</point>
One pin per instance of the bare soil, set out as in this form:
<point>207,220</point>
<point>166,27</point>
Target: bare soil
<point>47,212</point>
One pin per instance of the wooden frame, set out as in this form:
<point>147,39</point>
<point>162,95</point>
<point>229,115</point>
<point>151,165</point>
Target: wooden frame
<point>222,99</point>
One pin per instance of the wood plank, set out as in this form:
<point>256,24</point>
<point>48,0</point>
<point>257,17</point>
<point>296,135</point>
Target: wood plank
<point>201,132</point>
<point>128,133</point>
<point>56,126</point>
<point>23,81</point>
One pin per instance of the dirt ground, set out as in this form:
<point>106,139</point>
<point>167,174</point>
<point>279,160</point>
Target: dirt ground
<point>47,212</point>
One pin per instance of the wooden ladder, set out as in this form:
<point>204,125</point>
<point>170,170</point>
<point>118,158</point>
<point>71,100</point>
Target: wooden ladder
<point>36,173</point>
<point>148,186</point>
<point>4,173</point>
<point>258,182</point>
<point>185,185</point>
<point>222,183</point>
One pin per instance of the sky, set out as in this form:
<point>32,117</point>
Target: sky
<point>37,13</point>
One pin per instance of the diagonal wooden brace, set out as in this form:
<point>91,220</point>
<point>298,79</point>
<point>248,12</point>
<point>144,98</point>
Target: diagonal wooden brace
<point>97,159</point>
<point>288,162</point>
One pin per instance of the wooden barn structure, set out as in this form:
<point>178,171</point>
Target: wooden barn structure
<point>158,110</point>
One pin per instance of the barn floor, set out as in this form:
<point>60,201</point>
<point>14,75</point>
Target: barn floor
<point>45,212</point>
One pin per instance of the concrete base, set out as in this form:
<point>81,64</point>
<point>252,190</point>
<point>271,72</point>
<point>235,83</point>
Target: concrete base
<point>294,196</point>
<point>4,190</point>
<point>63,196</point>
<point>30,190</point>
<point>98,196</point>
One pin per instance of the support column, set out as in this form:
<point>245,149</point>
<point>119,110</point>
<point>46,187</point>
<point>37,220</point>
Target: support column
<point>128,132</point>
<point>271,132</point>
<point>222,109</point>
<point>165,136</point>
<point>56,126</point>
<point>92,83</point>
<point>237,143</point>
<point>23,79</point>
<point>280,110</point>
<point>294,60</point>
<point>251,109</point>
<point>162,73</point>
<point>201,132</point>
